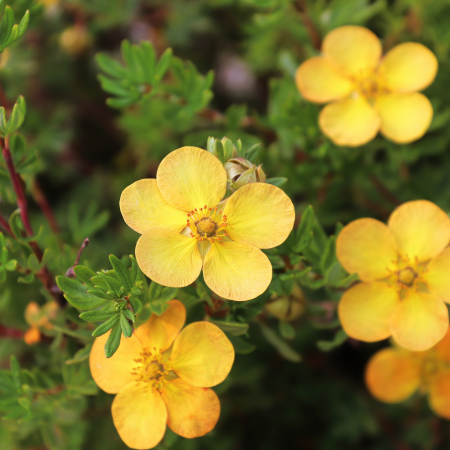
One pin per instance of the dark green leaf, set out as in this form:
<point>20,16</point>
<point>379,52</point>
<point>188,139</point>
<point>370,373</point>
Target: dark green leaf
<point>106,326</point>
<point>84,274</point>
<point>121,271</point>
<point>126,327</point>
<point>113,342</point>
<point>234,328</point>
<point>97,315</point>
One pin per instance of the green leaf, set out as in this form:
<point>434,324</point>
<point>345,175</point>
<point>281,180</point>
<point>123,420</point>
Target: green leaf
<point>154,291</point>
<point>73,288</point>
<point>163,65</point>
<point>121,271</point>
<point>99,282</point>
<point>84,274</point>
<point>286,330</point>
<point>129,315</point>
<point>80,356</point>
<point>304,233</point>
<point>106,326</point>
<point>79,334</point>
<point>6,26</point>
<point>134,270</point>
<point>11,265</point>
<point>110,66</point>
<point>136,304</point>
<point>27,279</point>
<point>339,338</point>
<point>219,151</point>
<point>227,149</point>
<point>97,315</point>
<point>113,342</point>
<point>100,294</point>
<point>85,303</point>
<point>278,181</point>
<point>33,263</point>
<point>241,346</point>
<point>283,348</point>
<point>126,327</point>
<point>113,284</point>
<point>234,328</point>
<point>15,371</point>
<point>23,24</point>
<point>251,153</point>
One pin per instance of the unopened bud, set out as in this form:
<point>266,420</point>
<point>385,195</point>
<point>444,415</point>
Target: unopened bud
<point>288,308</point>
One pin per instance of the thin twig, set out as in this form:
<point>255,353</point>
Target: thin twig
<point>5,225</point>
<point>384,191</point>
<point>70,273</point>
<point>309,25</point>
<point>41,200</point>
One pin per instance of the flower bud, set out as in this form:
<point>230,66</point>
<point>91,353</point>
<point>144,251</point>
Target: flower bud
<point>288,308</point>
<point>241,172</point>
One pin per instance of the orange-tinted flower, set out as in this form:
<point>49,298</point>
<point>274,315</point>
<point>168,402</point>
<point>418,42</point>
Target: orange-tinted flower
<point>369,94</point>
<point>162,375</point>
<point>186,228</point>
<point>39,319</point>
<point>404,272</point>
<point>394,374</point>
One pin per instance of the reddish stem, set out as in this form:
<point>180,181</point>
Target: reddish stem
<point>5,225</point>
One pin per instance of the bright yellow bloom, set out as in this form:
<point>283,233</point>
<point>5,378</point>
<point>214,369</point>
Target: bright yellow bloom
<point>162,375</point>
<point>369,94</point>
<point>185,227</point>
<point>404,272</point>
<point>394,374</point>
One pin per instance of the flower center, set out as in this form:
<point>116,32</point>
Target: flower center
<point>207,223</point>
<point>407,277</point>
<point>151,370</point>
<point>368,87</point>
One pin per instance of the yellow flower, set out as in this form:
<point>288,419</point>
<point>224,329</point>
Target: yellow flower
<point>369,94</point>
<point>38,319</point>
<point>394,374</point>
<point>162,375</point>
<point>185,228</point>
<point>404,272</point>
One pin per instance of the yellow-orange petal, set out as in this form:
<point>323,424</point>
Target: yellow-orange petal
<point>202,355</point>
<point>350,122</point>
<point>192,411</point>
<point>112,374</point>
<point>140,418</point>
<point>143,207</point>
<point>439,394</point>
<point>419,321</point>
<point>393,375</point>
<point>421,228</point>
<point>442,348</point>
<point>161,331</point>
<point>320,82</point>
<point>408,67</point>
<point>237,270</point>
<point>190,178</point>
<point>365,310</point>
<point>355,50</point>
<point>367,247</point>
<point>437,276</point>
<point>404,117</point>
<point>260,214</point>
<point>32,335</point>
<point>168,258</point>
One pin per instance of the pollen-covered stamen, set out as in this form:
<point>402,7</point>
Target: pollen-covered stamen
<point>151,370</point>
<point>407,277</point>
<point>207,223</point>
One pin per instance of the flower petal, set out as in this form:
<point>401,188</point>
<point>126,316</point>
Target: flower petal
<point>442,348</point>
<point>421,228</point>
<point>437,276</point>
<point>365,309</point>
<point>192,411</point>
<point>161,331</point>
<point>237,270</point>
<point>143,207</point>
<point>393,375</point>
<point>439,394</point>
<point>190,178</point>
<point>319,81</point>
<point>404,117</point>
<point>168,258</point>
<point>112,374</point>
<point>350,122</point>
<point>140,418</point>
<point>261,214</point>
<point>355,50</point>
<point>202,355</point>
<point>408,67</point>
<point>367,247</point>
<point>419,321</point>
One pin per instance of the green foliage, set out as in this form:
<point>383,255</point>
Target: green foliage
<point>16,118</point>
<point>10,32</point>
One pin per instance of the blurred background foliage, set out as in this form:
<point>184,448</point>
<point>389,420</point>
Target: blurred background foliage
<point>102,113</point>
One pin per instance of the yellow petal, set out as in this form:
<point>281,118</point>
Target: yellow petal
<point>439,394</point>
<point>442,348</point>
<point>237,270</point>
<point>161,331</point>
<point>112,374</point>
<point>140,418</point>
<point>404,117</point>
<point>419,321</point>
<point>319,81</point>
<point>355,50</point>
<point>392,375</point>
<point>190,178</point>
<point>365,310</point>
<point>350,122</point>
<point>367,247</point>
<point>421,228</point>
<point>192,411</point>
<point>261,214</point>
<point>437,276</point>
<point>143,207</point>
<point>408,67</point>
<point>168,258</point>
<point>202,355</point>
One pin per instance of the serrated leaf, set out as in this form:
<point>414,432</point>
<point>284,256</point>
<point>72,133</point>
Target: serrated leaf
<point>97,315</point>
<point>234,328</point>
<point>106,326</point>
<point>126,327</point>
<point>121,271</point>
<point>113,342</point>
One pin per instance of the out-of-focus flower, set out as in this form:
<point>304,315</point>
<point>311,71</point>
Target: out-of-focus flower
<point>288,308</point>
<point>369,94</point>
<point>39,319</point>
<point>185,227</point>
<point>404,272</point>
<point>394,374</point>
<point>162,376</point>
<point>75,39</point>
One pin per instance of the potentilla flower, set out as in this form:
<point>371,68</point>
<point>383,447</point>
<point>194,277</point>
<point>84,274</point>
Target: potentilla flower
<point>162,376</point>
<point>369,93</point>
<point>394,374</point>
<point>185,227</point>
<point>404,272</point>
